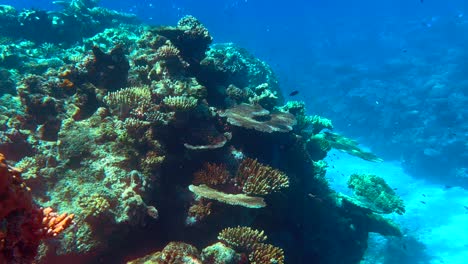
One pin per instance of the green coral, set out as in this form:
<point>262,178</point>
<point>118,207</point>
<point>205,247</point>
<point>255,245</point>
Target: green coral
<point>318,146</point>
<point>375,190</point>
<point>304,121</point>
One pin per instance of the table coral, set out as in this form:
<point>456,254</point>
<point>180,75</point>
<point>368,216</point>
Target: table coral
<point>258,118</point>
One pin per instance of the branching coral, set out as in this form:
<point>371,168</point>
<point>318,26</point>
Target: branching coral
<point>266,254</point>
<point>242,238</point>
<point>180,103</point>
<point>130,98</point>
<point>212,174</point>
<point>259,179</point>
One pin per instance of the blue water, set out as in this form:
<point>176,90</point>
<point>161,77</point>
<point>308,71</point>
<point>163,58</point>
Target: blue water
<point>391,73</point>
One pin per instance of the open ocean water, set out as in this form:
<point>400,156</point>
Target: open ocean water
<point>392,75</point>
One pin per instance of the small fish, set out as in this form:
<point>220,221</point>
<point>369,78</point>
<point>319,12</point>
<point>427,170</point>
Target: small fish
<point>466,207</point>
<point>448,187</point>
<point>293,93</point>
<point>395,189</point>
<point>423,195</point>
<point>422,1</point>
<point>423,202</point>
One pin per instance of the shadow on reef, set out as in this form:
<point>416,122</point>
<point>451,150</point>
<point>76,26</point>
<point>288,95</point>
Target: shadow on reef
<point>150,136</point>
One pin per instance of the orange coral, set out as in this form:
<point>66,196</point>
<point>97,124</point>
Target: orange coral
<point>24,225</point>
<point>266,254</point>
<point>241,238</point>
<point>212,174</point>
<point>53,223</point>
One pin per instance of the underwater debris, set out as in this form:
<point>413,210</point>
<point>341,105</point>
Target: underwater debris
<point>242,238</point>
<point>227,198</point>
<point>256,178</point>
<point>258,118</point>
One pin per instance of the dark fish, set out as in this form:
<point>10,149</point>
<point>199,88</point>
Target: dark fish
<point>466,207</point>
<point>395,189</point>
<point>293,93</point>
<point>423,202</point>
<point>448,187</point>
<point>405,50</point>
<point>422,1</point>
<point>423,195</point>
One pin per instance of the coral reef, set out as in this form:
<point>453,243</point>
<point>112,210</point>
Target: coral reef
<point>150,136</point>
<point>24,224</point>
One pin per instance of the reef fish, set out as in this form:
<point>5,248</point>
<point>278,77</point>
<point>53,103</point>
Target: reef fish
<point>293,93</point>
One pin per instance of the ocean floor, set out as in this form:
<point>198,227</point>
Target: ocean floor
<point>434,225</point>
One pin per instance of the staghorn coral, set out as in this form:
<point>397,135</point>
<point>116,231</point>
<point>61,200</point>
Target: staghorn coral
<point>266,254</point>
<point>212,174</point>
<point>242,238</point>
<point>258,118</point>
<point>180,103</point>
<point>130,98</point>
<point>259,179</point>
<point>198,211</point>
<point>375,190</point>
<point>226,198</point>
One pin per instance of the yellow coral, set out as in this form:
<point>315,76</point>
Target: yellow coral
<point>266,254</point>
<point>242,238</point>
<point>181,103</point>
<point>131,97</point>
<point>93,205</point>
<point>260,179</point>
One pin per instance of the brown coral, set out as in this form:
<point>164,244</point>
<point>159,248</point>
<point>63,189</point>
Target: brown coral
<point>256,117</point>
<point>212,174</point>
<point>266,254</point>
<point>242,238</point>
<point>259,179</point>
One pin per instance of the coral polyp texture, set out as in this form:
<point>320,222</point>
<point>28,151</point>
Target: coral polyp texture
<point>156,139</point>
<point>260,179</point>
